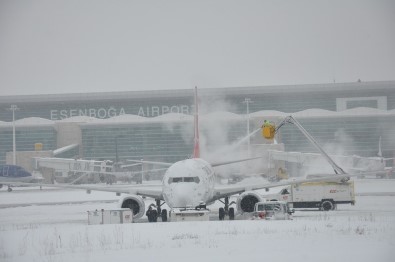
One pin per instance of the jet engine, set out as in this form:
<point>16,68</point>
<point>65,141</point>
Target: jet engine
<point>135,203</point>
<point>247,200</point>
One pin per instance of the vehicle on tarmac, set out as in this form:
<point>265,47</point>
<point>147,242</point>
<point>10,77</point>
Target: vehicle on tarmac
<point>324,195</point>
<point>272,210</point>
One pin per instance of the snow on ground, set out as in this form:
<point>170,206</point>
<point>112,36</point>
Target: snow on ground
<point>59,232</point>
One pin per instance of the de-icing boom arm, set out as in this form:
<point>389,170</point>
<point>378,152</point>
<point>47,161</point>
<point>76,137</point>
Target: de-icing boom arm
<point>291,120</point>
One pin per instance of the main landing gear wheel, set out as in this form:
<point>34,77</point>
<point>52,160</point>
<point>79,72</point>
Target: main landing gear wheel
<point>164,215</point>
<point>231,213</point>
<point>154,216</point>
<point>221,213</point>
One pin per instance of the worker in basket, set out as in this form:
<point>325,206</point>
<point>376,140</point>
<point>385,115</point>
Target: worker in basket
<point>267,123</point>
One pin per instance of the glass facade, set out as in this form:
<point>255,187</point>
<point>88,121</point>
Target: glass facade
<point>171,141</point>
<point>349,135</point>
<point>163,141</point>
<point>25,139</point>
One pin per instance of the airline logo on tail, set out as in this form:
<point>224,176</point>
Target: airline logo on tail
<point>196,147</point>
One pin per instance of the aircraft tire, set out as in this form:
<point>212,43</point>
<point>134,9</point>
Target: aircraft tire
<point>164,215</point>
<point>154,216</point>
<point>221,213</point>
<point>231,213</point>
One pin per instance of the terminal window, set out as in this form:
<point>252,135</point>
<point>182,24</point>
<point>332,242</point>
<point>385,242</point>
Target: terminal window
<point>379,102</point>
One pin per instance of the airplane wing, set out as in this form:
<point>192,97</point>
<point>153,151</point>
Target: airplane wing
<point>215,164</point>
<point>152,162</point>
<point>148,171</point>
<point>153,191</point>
<point>228,190</point>
<point>212,164</point>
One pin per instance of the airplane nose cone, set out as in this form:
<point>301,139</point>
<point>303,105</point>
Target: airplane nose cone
<point>184,195</point>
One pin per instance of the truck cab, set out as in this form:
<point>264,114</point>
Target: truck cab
<point>272,210</point>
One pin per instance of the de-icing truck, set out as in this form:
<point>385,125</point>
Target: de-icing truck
<point>322,195</point>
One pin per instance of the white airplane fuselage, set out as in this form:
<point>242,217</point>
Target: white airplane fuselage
<point>188,183</point>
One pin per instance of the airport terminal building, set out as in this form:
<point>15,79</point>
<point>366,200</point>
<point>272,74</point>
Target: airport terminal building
<point>158,125</point>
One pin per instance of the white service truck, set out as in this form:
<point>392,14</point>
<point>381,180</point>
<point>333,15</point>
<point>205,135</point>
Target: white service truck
<point>322,195</point>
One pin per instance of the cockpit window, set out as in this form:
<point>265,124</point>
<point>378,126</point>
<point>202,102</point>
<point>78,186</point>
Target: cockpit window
<point>175,179</point>
<point>188,179</point>
<point>184,179</point>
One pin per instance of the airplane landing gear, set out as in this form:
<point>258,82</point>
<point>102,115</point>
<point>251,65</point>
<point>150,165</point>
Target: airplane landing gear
<point>153,214</point>
<point>226,211</point>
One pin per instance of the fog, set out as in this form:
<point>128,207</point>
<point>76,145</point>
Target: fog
<point>71,46</point>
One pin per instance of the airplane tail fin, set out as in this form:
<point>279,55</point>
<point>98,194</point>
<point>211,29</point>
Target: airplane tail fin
<point>196,147</point>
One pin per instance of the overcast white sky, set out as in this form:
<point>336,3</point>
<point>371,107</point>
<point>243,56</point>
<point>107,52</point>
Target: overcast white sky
<point>68,46</point>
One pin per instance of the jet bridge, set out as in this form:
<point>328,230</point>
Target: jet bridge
<point>74,165</point>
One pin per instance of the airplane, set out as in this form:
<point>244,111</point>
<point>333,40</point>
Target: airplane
<point>376,164</point>
<point>309,161</point>
<point>191,183</point>
<point>14,174</point>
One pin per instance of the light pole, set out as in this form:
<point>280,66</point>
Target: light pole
<point>247,101</point>
<point>13,108</point>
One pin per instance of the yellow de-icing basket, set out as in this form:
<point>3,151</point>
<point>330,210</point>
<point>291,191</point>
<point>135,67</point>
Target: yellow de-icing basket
<point>268,132</point>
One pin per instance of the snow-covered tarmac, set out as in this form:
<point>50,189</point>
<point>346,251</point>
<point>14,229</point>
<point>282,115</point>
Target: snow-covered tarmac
<point>51,225</point>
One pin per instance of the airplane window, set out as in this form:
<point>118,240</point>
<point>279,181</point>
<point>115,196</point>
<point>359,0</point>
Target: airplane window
<point>188,179</point>
<point>184,179</point>
<point>175,179</point>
